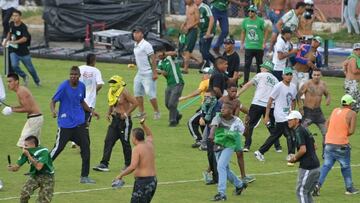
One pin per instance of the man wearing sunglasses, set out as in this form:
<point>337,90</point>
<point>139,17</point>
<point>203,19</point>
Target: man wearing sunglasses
<point>253,36</point>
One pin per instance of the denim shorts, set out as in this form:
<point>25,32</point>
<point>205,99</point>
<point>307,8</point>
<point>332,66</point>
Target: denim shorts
<point>274,18</point>
<point>144,84</point>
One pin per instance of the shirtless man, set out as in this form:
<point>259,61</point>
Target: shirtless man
<point>232,98</point>
<point>276,11</point>
<point>190,28</point>
<point>142,164</point>
<point>27,105</point>
<point>121,105</point>
<point>306,21</point>
<point>352,76</point>
<point>313,90</point>
<point>307,58</point>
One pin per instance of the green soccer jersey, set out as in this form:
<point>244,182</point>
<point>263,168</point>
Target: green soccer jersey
<point>42,155</point>
<point>220,4</point>
<point>173,71</point>
<point>205,14</point>
<point>254,32</point>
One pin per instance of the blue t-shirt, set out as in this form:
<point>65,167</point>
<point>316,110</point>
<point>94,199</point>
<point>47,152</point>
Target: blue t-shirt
<point>71,112</point>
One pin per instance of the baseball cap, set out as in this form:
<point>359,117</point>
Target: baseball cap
<point>347,99</point>
<point>138,29</point>
<point>318,39</point>
<point>229,41</point>
<point>294,115</point>
<point>356,46</point>
<point>252,8</point>
<point>309,1</point>
<point>287,70</point>
<point>286,29</point>
<point>207,70</point>
<point>268,65</point>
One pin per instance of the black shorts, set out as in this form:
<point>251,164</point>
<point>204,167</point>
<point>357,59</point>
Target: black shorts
<point>144,189</point>
<point>315,115</point>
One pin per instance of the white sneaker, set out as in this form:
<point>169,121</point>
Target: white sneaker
<point>289,156</point>
<point>245,149</point>
<point>156,115</point>
<point>1,185</point>
<point>259,156</point>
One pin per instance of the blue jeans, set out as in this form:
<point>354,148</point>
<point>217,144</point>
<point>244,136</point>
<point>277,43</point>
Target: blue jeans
<point>205,45</point>
<point>342,155</point>
<point>222,17</point>
<point>26,60</point>
<point>223,159</point>
<point>349,15</point>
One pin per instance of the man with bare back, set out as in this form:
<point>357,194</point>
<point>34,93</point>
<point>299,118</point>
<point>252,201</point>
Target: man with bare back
<point>313,90</point>
<point>27,105</point>
<point>121,105</point>
<point>307,59</point>
<point>190,28</point>
<point>142,164</point>
<point>276,11</point>
<point>352,76</point>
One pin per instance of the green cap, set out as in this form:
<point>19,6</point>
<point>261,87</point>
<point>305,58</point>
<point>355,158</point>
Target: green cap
<point>268,65</point>
<point>252,8</point>
<point>287,70</point>
<point>318,39</point>
<point>347,100</point>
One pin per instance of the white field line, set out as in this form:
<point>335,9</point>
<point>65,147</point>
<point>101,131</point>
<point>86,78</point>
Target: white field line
<point>165,183</point>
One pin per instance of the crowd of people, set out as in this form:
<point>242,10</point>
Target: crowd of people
<point>290,80</point>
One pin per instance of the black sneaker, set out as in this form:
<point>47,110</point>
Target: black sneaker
<point>316,191</point>
<point>351,191</point>
<point>101,167</point>
<point>219,197</point>
<point>178,118</point>
<point>238,190</point>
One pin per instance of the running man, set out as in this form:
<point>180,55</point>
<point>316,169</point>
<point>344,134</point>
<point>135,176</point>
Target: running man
<point>284,96</point>
<point>309,168</point>
<point>340,126</point>
<point>190,27</point>
<point>264,83</point>
<point>28,105</point>
<point>121,105</point>
<point>314,90</point>
<point>142,164</point>
<point>71,120</point>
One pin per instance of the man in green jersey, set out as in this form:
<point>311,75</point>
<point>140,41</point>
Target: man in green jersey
<point>253,35</point>
<point>175,84</point>
<point>41,171</point>
<point>207,30</point>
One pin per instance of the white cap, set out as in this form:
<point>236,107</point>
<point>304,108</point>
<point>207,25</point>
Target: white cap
<point>294,115</point>
<point>356,46</point>
<point>309,1</point>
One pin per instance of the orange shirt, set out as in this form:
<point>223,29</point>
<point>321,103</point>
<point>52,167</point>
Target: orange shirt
<point>338,130</point>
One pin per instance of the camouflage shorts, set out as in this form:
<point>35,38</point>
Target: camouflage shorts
<point>144,189</point>
<point>46,184</point>
<point>352,88</point>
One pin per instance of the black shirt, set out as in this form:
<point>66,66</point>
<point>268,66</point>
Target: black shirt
<point>219,80</point>
<point>309,160</point>
<point>233,63</point>
<point>18,32</point>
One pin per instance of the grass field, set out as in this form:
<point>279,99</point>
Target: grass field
<point>179,167</point>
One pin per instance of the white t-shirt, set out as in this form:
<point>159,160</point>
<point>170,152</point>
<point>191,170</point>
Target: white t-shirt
<point>283,96</point>
<point>142,51</point>
<point>6,4</point>
<point>91,77</point>
<point>280,46</point>
<point>2,90</point>
<point>264,83</point>
<point>290,20</point>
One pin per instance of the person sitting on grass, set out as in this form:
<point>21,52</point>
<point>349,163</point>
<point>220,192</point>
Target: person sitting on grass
<point>226,130</point>
<point>175,84</point>
<point>41,171</point>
